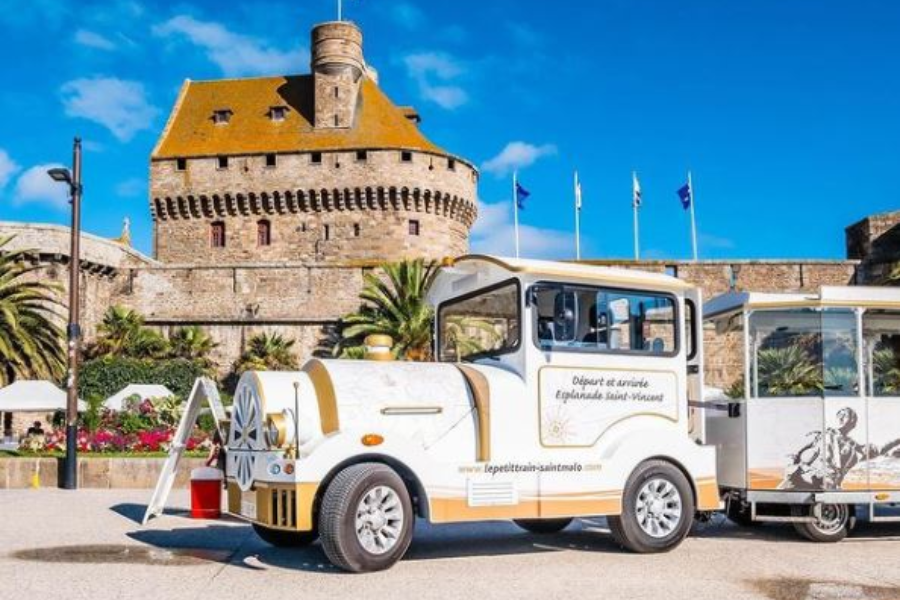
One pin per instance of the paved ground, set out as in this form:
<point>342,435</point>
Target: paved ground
<point>86,544</point>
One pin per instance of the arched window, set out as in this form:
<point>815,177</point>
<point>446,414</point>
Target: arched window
<point>217,234</point>
<point>263,233</point>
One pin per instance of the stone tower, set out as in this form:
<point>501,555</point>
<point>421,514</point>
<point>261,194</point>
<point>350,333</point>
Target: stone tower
<point>338,68</point>
<point>319,168</point>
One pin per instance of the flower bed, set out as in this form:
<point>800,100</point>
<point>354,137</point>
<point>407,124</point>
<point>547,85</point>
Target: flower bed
<point>145,427</point>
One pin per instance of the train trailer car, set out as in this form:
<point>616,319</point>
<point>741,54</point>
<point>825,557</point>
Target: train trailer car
<point>558,390</point>
<point>807,427</point>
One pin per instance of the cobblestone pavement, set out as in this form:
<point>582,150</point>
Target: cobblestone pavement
<point>87,544</point>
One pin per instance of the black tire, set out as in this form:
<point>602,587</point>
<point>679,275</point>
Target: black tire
<point>285,539</point>
<point>626,528</point>
<point>338,514</point>
<point>836,522</point>
<point>543,526</point>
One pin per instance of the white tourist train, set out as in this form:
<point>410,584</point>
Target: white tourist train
<point>563,390</point>
<point>560,390</point>
<point>816,432</point>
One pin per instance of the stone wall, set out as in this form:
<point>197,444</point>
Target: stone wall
<point>234,303</point>
<point>93,472</point>
<point>379,195</point>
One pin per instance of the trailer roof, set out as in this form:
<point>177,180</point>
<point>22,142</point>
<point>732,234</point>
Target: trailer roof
<point>575,270</point>
<point>828,296</point>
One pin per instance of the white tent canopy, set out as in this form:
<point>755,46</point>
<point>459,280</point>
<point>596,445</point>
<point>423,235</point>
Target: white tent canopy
<point>34,396</point>
<point>116,401</point>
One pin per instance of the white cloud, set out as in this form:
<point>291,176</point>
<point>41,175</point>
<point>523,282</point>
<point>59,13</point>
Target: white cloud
<point>130,187</point>
<point>494,233</point>
<point>517,155</point>
<point>8,168</point>
<point>407,15</point>
<point>435,73</point>
<point>35,186</point>
<point>92,39</point>
<point>119,105</point>
<point>707,240</point>
<point>236,54</point>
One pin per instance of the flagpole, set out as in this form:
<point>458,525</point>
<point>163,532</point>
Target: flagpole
<point>515,198</point>
<point>693,219</point>
<point>577,219</point>
<point>340,12</point>
<point>634,204</point>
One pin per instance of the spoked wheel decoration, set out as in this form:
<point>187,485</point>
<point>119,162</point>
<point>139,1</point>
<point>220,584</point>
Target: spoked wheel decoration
<point>379,520</point>
<point>246,437</point>
<point>658,508</point>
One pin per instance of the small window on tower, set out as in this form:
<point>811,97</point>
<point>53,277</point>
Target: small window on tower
<point>451,164</point>
<point>222,162</point>
<point>271,160</point>
<point>336,91</point>
<point>406,156</point>
<point>362,156</point>
<point>315,158</point>
<point>181,164</point>
<point>327,233</point>
<point>217,235</point>
<point>413,227</point>
<point>278,113</point>
<point>263,233</point>
<point>222,116</point>
<point>356,230</point>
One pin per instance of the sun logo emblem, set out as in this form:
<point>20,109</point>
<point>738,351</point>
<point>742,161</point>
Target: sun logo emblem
<point>557,427</point>
<point>246,437</point>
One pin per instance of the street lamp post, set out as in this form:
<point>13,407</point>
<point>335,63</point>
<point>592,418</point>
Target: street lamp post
<point>73,331</point>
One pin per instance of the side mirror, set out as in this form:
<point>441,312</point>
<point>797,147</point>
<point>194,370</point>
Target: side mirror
<point>565,316</point>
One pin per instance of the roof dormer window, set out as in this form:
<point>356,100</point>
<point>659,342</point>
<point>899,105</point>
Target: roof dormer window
<point>222,116</point>
<point>278,113</point>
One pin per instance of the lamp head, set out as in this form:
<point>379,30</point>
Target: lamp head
<point>61,175</point>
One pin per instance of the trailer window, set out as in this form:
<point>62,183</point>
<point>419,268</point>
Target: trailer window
<point>881,346</point>
<point>803,353</point>
<point>606,320</point>
<point>484,323</point>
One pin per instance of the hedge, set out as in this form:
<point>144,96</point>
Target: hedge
<point>103,377</point>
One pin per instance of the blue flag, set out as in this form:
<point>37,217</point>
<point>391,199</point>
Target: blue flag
<point>521,195</point>
<point>684,194</point>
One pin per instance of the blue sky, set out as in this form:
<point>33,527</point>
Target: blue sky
<point>788,113</point>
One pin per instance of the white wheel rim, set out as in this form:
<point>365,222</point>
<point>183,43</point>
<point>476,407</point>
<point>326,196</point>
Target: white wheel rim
<point>658,508</point>
<point>831,518</point>
<point>379,520</point>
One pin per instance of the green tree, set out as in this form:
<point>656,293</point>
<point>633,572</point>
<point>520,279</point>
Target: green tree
<point>393,305</point>
<point>122,334</point>
<point>788,371</point>
<point>192,343</point>
<point>267,352</point>
<point>31,340</point>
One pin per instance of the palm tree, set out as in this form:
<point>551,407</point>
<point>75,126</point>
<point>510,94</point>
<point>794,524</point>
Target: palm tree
<point>267,352</point>
<point>191,343</point>
<point>122,334</point>
<point>394,305</point>
<point>788,371</point>
<point>31,340</point>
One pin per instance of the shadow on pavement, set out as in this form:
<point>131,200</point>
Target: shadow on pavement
<point>135,512</point>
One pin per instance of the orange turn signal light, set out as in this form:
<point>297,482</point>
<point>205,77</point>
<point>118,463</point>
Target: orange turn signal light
<point>882,496</point>
<point>372,439</point>
<point>289,468</point>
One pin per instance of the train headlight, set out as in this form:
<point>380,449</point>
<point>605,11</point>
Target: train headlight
<point>276,431</point>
